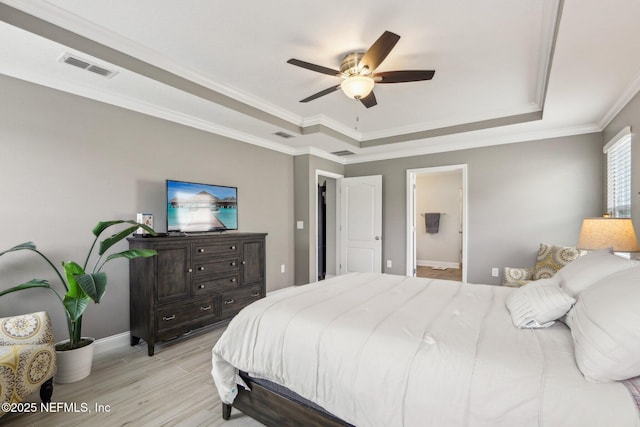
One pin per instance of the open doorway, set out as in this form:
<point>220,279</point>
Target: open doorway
<point>325,261</point>
<point>436,222</point>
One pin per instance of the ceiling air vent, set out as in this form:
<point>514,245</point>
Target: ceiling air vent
<point>67,58</point>
<point>100,70</point>
<point>283,135</point>
<point>343,153</point>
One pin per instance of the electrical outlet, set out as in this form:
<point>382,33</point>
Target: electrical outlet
<point>495,272</point>
<point>389,263</point>
<point>282,269</point>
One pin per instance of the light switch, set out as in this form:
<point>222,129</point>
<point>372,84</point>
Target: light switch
<point>300,225</point>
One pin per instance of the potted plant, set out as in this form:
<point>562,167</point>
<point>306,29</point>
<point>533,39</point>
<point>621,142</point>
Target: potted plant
<point>81,286</point>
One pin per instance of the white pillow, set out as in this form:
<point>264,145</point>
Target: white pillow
<point>605,326</point>
<point>537,304</point>
<point>578,275</point>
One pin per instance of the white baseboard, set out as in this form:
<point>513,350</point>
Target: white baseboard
<point>438,264</point>
<point>105,344</point>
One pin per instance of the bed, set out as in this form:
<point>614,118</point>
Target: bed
<point>369,349</point>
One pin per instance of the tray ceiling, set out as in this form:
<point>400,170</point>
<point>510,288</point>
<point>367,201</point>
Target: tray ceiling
<point>506,70</point>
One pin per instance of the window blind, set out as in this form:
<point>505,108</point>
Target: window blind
<point>618,152</point>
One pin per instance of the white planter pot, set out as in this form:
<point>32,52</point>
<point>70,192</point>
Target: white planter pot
<point>74,365</point>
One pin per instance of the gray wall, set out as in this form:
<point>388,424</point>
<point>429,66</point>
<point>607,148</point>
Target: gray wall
<point>68,162</point>
<point>519,195</point>
<point>629,116</point>
<point>304,177</point>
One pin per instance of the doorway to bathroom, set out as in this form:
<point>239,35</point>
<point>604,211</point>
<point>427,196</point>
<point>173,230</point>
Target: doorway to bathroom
<point>436,222</point>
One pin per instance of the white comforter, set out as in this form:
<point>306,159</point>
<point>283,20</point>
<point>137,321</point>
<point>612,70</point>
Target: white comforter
<point>385,350</point>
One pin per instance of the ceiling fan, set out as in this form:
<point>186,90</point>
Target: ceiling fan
<point>357,70</point>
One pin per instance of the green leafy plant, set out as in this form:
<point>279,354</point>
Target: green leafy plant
<point>82,286</point>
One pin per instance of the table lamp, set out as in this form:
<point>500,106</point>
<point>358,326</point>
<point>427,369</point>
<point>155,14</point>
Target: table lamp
<point>602,233</point>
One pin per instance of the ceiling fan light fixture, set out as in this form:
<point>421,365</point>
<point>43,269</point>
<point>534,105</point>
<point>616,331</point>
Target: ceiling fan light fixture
<point>357,87</point>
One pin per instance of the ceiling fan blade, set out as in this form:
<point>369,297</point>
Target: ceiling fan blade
<point>369,100</point>
<point>379,50</point>
<point>321,93</point>
<point>403,76</point>
<point>313,67</point>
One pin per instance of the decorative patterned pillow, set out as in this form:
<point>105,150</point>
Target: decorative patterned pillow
<point>538,304</point>
<point>516,277</point>
<point>552,258</point>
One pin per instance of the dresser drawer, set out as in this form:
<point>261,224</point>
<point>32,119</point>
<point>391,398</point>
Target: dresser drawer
<point>217,266</point>
<point>173,315</point>
<point>214,285</point>
<point>206,250</point>
<point>233,301</point>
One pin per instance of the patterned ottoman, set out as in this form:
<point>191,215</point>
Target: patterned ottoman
<point>27,357</point>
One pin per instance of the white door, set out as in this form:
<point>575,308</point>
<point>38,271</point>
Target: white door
<point>361,224</point>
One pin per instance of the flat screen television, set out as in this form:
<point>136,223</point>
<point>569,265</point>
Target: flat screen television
<point>193,207</point>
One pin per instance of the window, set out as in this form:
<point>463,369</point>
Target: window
<point>618,152</point>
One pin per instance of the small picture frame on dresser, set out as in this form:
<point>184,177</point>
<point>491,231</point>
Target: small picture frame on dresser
<point>146,219</point>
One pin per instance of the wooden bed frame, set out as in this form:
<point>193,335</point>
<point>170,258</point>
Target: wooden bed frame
<point>276,410</point>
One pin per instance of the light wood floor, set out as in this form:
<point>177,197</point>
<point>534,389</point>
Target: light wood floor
<point>448,274</point>
<point>171,388</point>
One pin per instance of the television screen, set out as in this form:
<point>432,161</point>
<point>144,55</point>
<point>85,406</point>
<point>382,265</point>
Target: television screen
<point>193,207</point>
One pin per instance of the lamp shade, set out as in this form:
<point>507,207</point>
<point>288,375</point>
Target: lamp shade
<point>357,87</point>
<point>601,233</point>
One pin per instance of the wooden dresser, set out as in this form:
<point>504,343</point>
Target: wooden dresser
<point>194,281</point>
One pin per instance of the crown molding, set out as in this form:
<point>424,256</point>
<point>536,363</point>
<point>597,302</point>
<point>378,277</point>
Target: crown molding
<point>435,145</point>
<point>449,123</point>
<point>126,54</point>
<point>549,33</point>
<point>70,25</point>
<point>146,108</point>
<point>445,144</point>
<point>627,95</point>
<point>320,153</point>
<point>60,17</point>
<point>323,121</point>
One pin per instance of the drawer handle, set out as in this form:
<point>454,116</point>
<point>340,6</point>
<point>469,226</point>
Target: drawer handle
<point>233,280</point>
<point>255,294</point>
<point>201,250</point>
<point>201,287</point>
<point>244,262</point>
<point>166,319</point>
<point>233,248</point>
<point>201,268</point>
<point>205,308</point>
<point>233,263</point>
<point>229,301</point>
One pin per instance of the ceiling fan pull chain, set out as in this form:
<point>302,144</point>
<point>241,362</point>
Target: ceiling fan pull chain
<point>355,106</point>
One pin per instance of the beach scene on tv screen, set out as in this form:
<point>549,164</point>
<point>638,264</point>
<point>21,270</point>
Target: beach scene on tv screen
<point>200,207</point>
